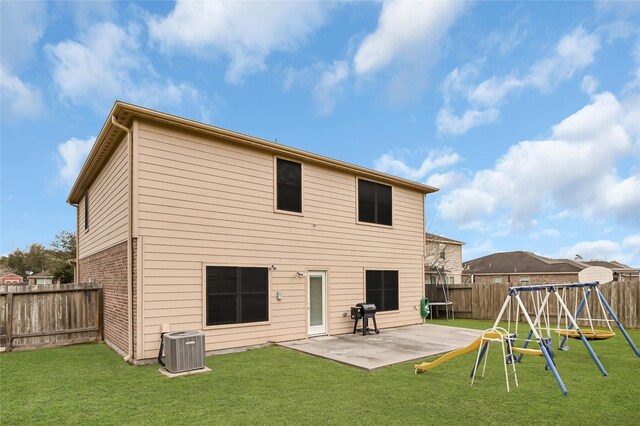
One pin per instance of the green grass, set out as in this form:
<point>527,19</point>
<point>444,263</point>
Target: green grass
<point>91,384</point>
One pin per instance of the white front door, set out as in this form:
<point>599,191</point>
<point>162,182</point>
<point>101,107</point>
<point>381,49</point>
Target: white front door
<point>317,303</point>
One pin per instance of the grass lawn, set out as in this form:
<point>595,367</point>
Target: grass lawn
<point>91,384</point>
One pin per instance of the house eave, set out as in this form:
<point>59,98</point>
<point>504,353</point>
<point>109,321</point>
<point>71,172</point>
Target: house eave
<point>125,113</point>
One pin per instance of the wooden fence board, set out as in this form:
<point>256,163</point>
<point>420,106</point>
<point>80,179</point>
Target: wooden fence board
<point>49,315</point>
<point>483,301</point>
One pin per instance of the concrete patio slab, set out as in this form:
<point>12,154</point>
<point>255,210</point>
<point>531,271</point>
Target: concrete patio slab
<point>391,346</point>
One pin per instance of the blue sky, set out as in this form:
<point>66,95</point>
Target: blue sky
<point>526,115</point>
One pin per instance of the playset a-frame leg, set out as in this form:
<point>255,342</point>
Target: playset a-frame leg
<point>620,326</point>
<point>580,307</point>
<point>543,348</point>
<point>584,340</point>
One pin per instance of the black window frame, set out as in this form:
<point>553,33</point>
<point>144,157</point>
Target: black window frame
<point>376,212</point>
<point>86,210</point>
<point>283,187</point>
<point>388,282</point>
<point>239,297</point>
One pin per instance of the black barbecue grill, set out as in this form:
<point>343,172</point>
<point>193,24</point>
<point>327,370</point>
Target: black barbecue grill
<point>364,311</point>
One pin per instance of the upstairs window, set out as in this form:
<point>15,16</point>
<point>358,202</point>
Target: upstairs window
<point>86,210</point>
<point>524,279</point>
<point>374,202</point>
<point>382,289</point>
<point>237,295</point>
<point>289,186</point>
<point>497,279</point>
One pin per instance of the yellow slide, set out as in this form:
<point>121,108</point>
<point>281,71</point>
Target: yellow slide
<point>446,357</point>
<point>472,347</point>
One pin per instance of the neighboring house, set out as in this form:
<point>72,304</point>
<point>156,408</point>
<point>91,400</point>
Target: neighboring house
<point>189,226</point>
<point>11,279</point>
<point>443,260</point>
<point>522,267</point>
<point>42,278</point>
<point>621,272</point>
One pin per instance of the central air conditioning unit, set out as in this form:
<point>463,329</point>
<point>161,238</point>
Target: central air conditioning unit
<point>184,351</point>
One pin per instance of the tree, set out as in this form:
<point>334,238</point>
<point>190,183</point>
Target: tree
<point>16,262</point>
<point>37,258</point>
<point>64,249</point>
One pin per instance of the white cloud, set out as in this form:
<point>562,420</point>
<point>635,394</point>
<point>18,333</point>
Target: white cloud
<point>449,123</point>
<point>572,53</point>
<point>589,84</point>
<point>574,170</point>
<point>326,82</point>
<point>634,84</point>
<point>247,32</point>
<point>19,99</point>
<point>406,31</point>
<point>493,90</point>
<point>459,80</point>
<point>506,41</point>
<point>106,63</point>
<point>72,155</point>
<point>631,246</point>
<point>388,163</point>
<point>23,24</point>
<point>551,232</point>
<point>328,87</point>
<point>595,250</point>
<point>479,249</point>
<point>445,180</point>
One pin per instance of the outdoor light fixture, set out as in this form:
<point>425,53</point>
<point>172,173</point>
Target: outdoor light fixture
<point>300,274</point>
<point>272,268</point>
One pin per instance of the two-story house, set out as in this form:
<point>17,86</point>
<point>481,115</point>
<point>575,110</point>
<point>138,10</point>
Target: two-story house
<point>190,226</point>
<point>443,260</point>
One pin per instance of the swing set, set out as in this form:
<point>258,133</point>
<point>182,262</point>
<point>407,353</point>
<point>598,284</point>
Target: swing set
<point>540,327</point>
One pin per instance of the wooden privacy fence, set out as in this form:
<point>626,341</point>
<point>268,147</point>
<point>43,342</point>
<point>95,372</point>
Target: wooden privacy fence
<point>483,301</point>
<point>34,316</point>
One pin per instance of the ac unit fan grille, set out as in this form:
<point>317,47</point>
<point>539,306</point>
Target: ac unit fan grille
<point>184,351</point>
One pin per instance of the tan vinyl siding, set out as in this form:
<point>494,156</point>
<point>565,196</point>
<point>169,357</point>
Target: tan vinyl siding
<point>107,207</point>
<point>205,202</point>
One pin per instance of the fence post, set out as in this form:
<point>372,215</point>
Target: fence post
<point>100,314</point>
<point>9,321</point>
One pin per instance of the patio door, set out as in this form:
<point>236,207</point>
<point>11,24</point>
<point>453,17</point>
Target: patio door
<point>317,303</point>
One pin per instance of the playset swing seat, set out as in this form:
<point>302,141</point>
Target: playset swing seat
<point>588,334</point>
<point>526,351</point>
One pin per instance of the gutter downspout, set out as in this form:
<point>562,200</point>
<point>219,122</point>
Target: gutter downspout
<point>76,269</point>
<point>129,237</point>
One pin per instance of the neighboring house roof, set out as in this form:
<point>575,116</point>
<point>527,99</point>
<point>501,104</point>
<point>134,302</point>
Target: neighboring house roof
<point>521,262</point>
<point>42,274</point>
<point>11,277</point>
<point>124,114</point>
<point>618,267</point>
<point>441,239</point>
<point>610,265</point>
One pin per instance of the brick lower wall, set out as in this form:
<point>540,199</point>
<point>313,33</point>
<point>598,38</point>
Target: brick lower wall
<point>134,294</point>
<point>109,268</point>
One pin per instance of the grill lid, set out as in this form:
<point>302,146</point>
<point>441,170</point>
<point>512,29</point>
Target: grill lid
<point>367,307</point>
